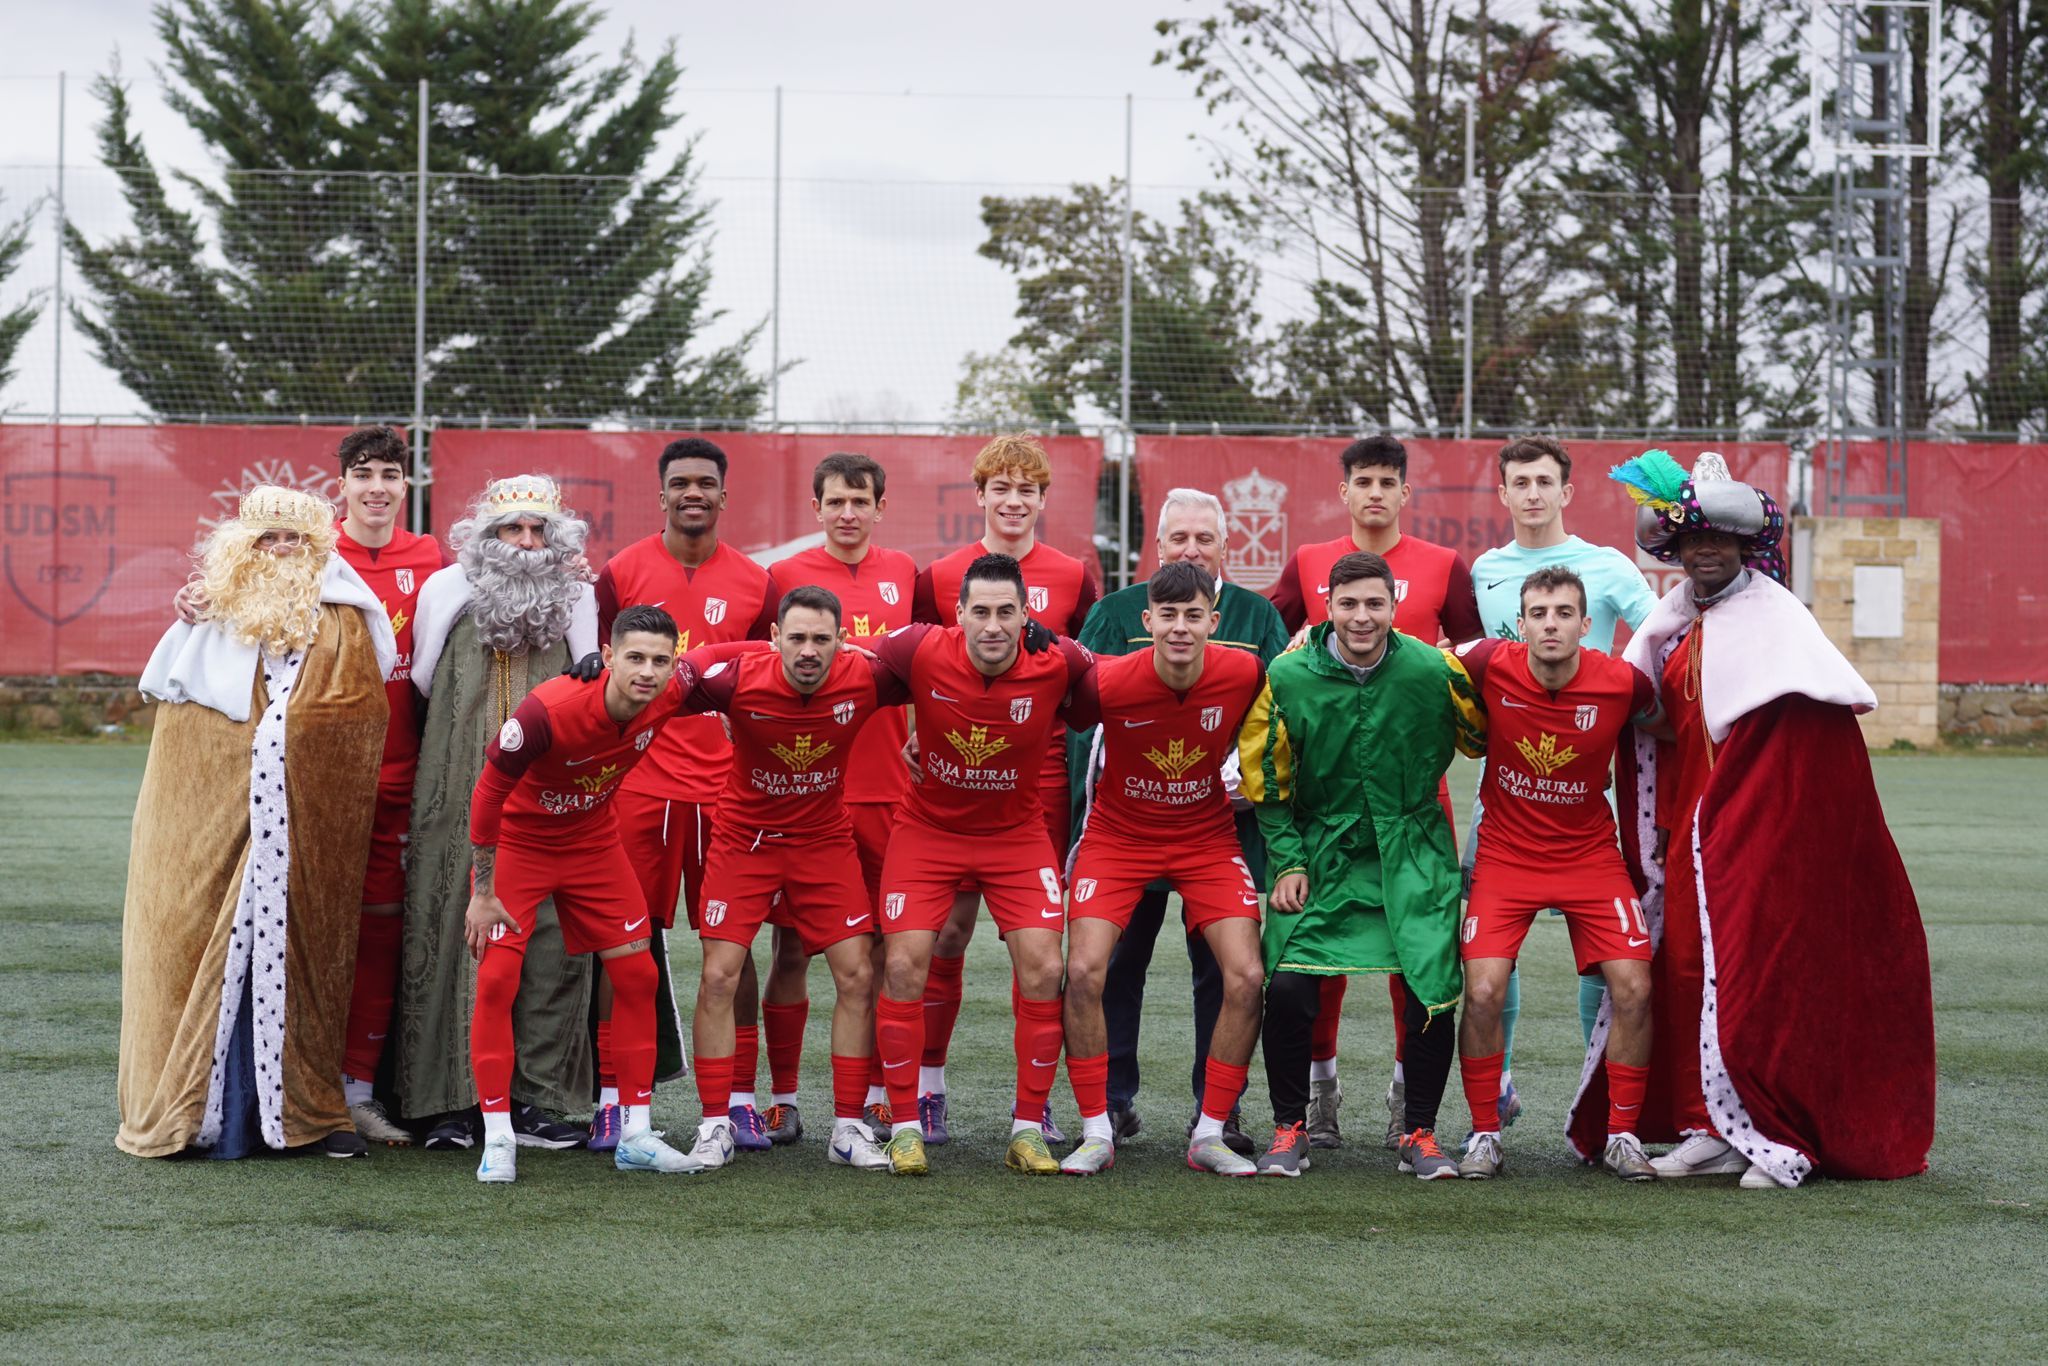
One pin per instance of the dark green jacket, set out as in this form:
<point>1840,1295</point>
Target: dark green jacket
<point>1344,777</point>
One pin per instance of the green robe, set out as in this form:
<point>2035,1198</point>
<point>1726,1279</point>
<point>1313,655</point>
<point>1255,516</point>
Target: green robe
<point>1344,776</point>
<point>437,977</point>
<point>1116,626</point>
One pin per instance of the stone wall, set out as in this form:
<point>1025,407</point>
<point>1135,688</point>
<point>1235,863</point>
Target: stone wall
<point>1994,711</point>
<point>1903,669</point>
<point>77,703</point>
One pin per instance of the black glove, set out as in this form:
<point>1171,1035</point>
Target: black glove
<point>586,669</point>
<point>1038,638</point>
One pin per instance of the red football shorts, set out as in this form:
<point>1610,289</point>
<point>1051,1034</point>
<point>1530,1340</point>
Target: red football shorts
<point>872,824</point>
<point>1210,875</point>
<point>1014,871</point>
<point>390,831</point>
<point>1605,919</point>
<point>815,882</point>
<point>596,898</point>
<point>665,841</point>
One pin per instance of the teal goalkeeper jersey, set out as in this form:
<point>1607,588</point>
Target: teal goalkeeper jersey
<point>1616,590</point>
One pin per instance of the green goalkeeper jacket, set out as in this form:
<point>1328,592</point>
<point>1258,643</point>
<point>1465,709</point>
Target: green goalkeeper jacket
<point>1344,776</point>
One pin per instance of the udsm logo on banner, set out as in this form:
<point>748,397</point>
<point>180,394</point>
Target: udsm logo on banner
<point>1257,530</point>
<point>59,555</point>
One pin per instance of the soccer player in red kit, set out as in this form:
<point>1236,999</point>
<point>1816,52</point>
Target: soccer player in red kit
<point>1555,712</point>
<point>542,824</point>
<point>874,586</point>
<point>986,699</point>
<point>376,471</point>
<point>716,595</point>
<point>785,840</point>
<point>1434,602</point>
<point>1169,718</point>
<point>1011,479</point>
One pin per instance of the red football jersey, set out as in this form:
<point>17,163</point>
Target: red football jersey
<point>1548,756</point>
<point>1163,751</point>
<point>724,599</point>
<point>1058,589</point>
<point>874,599</point>
<point>980,739</point>
<point>550,773</point>
<point>396,573</point>
<point>791,752</point>
<point>1433,597</point>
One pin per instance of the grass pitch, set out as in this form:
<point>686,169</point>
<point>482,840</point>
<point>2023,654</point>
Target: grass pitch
<point>406,1255</point>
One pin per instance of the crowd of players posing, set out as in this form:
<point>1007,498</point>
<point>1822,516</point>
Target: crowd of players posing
<point>858,753</point>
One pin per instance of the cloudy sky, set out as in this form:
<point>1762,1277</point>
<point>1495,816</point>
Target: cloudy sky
<point>896,120</point>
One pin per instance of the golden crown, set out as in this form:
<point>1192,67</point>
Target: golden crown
<point>267,507</point>
<point>532,495</point>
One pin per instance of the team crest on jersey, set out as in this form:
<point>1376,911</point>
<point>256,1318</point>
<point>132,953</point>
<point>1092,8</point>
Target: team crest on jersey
<point>1020,709</point>
<point>892,906</point>
<point>842,712</point>
<point>1212,717</point>
<point>890,594</point>
<point>714,611</point>
<point>1400,590</point>
<point>511,735</point>
<point>1038,597</point>
<point>643,739</point>
<point>1084,889</point>
<point>1585,718</point>
<point>1051,882</point>
<point>404,577</point>
<point>714,913</point>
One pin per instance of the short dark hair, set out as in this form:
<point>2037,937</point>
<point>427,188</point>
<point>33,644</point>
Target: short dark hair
<point>652,620</point>
<point>1552,576</point>
<point>1524,449</point>
<point>858,472</point>
<point>1180,582</point>
<point>1360,564</point>
<point>1372,451</point>
<point>365,444</point>
<point>994,569</point>
<point>815,598</point>
<point>690,448</point>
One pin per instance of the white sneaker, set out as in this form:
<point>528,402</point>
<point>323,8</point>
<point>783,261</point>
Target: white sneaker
<point>501,1161</point>
<point>1483,1157</point>
<point>1093,1156</point>
<point>1700,1155</point>
<point>1757,1179</point>
<point>645,1152</point>
<point>713,1147</point>
<point>1624,1157</point>
<point>853,1145</point>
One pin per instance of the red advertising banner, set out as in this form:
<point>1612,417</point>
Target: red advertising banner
<point>610,479</point>
<point>1283,492</point>
<point>101,522</point>
<point>1994,566</point>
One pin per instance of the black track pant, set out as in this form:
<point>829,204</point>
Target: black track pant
<point>1292,999</point>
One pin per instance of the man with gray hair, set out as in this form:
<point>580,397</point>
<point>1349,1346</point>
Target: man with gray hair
<point>1192,528</point>
<point>513,611</point>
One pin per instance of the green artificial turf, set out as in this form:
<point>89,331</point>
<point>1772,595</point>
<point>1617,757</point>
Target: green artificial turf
<point>781,1255</point>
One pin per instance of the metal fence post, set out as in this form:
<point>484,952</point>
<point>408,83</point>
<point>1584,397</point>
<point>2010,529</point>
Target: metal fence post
<point>57,310</point>
<point>1471,140</point>
<point>775,283</point>
<point>423,462</point>
<point>1130,442</point>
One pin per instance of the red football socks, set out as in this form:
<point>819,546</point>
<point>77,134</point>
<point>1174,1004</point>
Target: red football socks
<point>1090,1078</point>
<point>1482,1091</point>
<point>899,1032</point>
<point>941,1009</point>
<point>1222,1084</point>
<point>746,1056</point>
<point>784,1026</point>
<point>490,1027</point>
<point>607,1075</point>
<point>849,1088</point>
<point>1322,1040</point>
<point>1624,1096</point>
<point>378,941</point>
<point>1037,1041</point>
<point>714,1086</point>
<point>634,979</point>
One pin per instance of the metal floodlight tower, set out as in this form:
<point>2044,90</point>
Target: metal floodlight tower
<point>1861,74</point>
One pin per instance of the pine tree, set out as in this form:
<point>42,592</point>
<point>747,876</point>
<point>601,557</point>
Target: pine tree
<point>15,323</point>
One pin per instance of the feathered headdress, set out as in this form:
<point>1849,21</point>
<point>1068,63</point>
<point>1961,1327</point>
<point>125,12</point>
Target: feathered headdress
<point>1671,502</point>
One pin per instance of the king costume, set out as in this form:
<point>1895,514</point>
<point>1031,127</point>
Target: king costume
<point>245,871</point>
